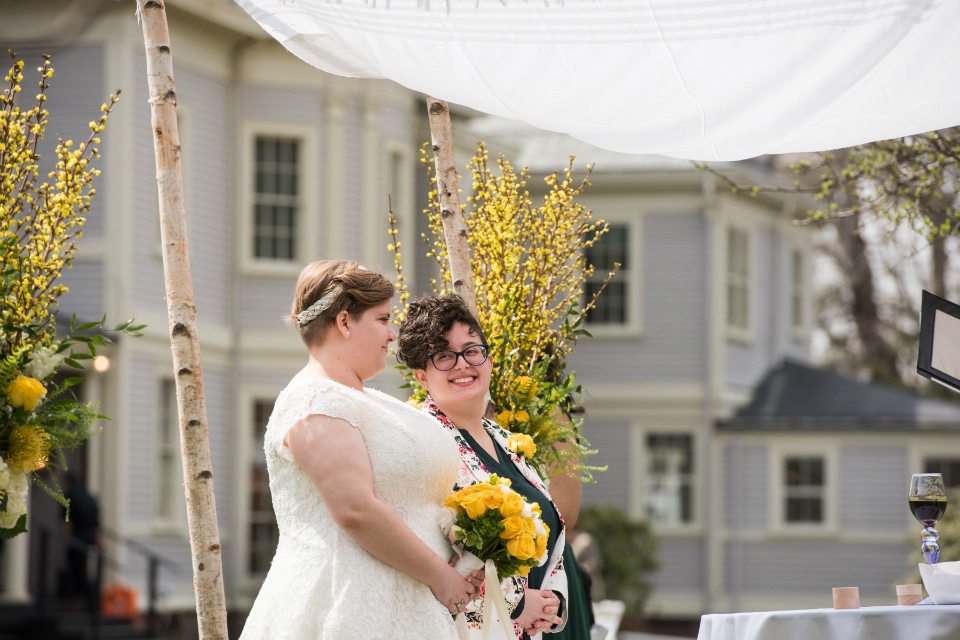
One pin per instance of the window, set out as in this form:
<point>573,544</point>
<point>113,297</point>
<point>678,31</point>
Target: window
<point>804,490</point>
<point>168,493</point>
<point>797,290</point>
<point>612,247</point>
<point>264,533</point>
<point>738,279</point>
<point>949,467</point>
<point>276,202</point>
<point>670,478</point>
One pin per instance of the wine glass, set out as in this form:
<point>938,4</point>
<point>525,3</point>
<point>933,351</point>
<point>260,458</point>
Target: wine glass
<point>928,501</point>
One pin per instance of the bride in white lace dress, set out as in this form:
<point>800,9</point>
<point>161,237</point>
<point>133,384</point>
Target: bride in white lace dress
<point>358,481</point>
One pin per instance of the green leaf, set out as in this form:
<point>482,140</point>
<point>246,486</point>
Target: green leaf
<point>123,325</point>
<point>136,327</point>
<point>17,529</point>
<point>73,323</point>
<point>86,326</point>
<point>81,356</point>
<point>72,382</point>
<point>73,363</point>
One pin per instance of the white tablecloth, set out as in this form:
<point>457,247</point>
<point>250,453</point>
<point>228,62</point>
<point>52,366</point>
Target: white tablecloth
<point>919,622</point>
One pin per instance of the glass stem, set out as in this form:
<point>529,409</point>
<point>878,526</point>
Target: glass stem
<point>930,547</point>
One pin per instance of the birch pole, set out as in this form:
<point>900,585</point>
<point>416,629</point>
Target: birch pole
<point>454,225</point>
<point>192,409</point>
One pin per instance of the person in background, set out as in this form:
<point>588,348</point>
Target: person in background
<point>587,551</point>
<point>82,532</point>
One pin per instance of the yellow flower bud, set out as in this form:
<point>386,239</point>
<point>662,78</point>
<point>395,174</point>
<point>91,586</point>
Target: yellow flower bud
<point>25,392</point>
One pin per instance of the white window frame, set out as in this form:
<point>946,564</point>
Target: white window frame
<point>640,463</point>
<point>175,524</point>
<point>633,273</point>
<point>249,394</point>
<point>799,331</point>
<point>308,210</point>
<point>745,334</point>
<point>777,494</point>
<point>645,470</point>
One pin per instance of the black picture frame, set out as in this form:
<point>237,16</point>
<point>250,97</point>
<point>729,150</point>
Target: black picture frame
<point>929,306</point>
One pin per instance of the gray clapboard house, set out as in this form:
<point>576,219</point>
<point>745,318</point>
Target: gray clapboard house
<point>284,164</point>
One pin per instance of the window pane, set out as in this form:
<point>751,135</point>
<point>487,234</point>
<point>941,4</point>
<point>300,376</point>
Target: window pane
<point>264,532</point>
<point>738,278</point>
<point>949,467</point>
<point>612,248</point>
<point>670,478</point>
<point>804,482</point>
<point>276,198</point>
<point>804,510</point>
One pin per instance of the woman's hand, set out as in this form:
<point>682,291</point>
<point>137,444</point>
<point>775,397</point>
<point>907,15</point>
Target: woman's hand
<point>451,590</point>
<point>539,611</point>
<point>476,578</point>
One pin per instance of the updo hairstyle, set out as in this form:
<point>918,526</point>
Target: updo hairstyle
<point>360,290</point>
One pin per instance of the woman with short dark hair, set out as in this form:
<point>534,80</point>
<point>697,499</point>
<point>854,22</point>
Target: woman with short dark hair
<point>442,341</point>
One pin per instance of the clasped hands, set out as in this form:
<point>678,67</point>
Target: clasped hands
<point>540,608</point>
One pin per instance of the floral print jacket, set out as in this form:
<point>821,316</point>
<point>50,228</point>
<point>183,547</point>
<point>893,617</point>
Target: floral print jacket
<point>473,471</point>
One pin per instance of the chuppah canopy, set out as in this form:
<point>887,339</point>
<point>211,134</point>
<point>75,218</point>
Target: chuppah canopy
<point>699,79</point>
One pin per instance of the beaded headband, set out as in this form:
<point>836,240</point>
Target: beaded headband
<point>310,313</point>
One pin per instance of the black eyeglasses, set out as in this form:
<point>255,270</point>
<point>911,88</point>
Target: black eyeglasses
<point>474,354</point>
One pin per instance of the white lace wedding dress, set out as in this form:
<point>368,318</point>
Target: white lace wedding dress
<point>322,585</point>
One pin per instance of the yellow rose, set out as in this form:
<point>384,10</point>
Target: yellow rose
<point>521,416</point>
<point>25,392</point>
<point>523,570</point>
<point>523,547</point>
<point>522,443</point>
<point>512,505</point>
<point>541,545</point>
<point>463,493</point>
<point>474,506</point>
<point>492,498</point>
<point>512,527</point>
<point>525,387</point>
<point>504,418</point>
<point>530,526</point>
<point>452,500</point>
<point>536,507</point>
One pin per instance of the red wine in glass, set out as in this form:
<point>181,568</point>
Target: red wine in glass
<point>928,501</point>
<point>927,512</point>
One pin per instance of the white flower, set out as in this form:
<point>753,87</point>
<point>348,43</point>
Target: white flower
<point>4,479</point>
<point>446,519</point>
<point>18,483</point>
<point>541,530</point>
<point>527,511</point>
<point>43,362</point>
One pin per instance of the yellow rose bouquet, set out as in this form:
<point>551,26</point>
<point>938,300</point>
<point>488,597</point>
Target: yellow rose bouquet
<point>38,226</point>
<point>493,522</point>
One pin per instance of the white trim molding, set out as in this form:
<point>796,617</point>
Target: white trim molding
<point>308,210</point>
<point>632,273</point>
<point>779,451</point>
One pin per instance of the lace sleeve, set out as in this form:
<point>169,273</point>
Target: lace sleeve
<point>309,401</point>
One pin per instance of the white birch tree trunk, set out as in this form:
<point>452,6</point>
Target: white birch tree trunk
<point>194,438</point>
<point>454,225</point>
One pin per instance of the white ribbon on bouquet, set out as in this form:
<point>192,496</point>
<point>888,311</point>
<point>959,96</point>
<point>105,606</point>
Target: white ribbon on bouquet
<point>493,595</point>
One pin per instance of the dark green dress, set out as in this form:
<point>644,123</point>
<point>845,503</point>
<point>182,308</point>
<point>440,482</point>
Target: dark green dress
<point>578,618</point>
<point>519,483</point>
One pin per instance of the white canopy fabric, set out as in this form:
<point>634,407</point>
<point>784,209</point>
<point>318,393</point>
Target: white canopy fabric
<point>698,79</point>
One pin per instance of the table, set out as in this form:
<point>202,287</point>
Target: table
<point>919,622</point>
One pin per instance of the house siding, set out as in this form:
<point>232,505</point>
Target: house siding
<point>612,440</point>
<point>681,565</point>
<point>674,311</point>
<point>873,487</point>
<point>745,487</point>
<point>813,567</point>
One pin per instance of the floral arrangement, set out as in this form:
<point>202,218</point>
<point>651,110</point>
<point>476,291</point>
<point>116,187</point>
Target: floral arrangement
<point>39,224</point>
<point>494,522</point>
<point>530,271</point>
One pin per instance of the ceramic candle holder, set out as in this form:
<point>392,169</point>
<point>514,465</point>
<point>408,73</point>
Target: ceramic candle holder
<point>846,598</point>
<point>909,594</point>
